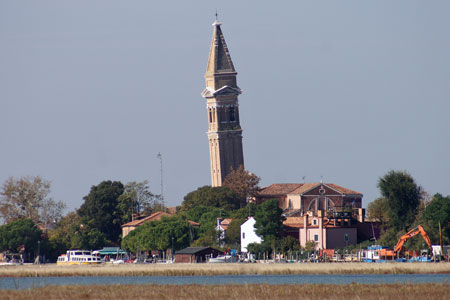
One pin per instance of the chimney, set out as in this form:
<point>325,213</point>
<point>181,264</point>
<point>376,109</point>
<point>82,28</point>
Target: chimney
<point>305,221</point>
<point>361,214</point>
<point>219,221</point>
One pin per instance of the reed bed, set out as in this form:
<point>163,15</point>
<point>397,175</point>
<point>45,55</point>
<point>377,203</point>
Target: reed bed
<point>263,291</point>
<point>222,269</point>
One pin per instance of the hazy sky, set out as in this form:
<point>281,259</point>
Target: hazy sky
<point>347,90</point>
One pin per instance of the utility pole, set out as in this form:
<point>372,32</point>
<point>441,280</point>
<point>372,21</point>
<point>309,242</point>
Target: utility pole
<point>159,156</point>
<point>440,240</point>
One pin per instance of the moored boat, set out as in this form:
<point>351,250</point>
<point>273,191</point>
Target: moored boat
<point>223,259</point>
<point>78,257</point>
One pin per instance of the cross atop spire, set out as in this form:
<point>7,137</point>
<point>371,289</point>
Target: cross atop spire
<point>216,21</point>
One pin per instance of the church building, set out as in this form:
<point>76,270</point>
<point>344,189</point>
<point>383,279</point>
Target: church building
<point>221,93</point>
<point>298,198</point>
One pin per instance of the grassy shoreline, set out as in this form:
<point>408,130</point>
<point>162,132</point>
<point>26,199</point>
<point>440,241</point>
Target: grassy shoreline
<point>395,291</point>
<point>48,270</point>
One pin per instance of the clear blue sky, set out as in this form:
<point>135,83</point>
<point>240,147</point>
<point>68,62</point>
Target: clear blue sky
<point>347,90</point>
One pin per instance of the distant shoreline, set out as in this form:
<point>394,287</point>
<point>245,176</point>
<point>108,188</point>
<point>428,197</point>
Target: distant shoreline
<point>48,270</point>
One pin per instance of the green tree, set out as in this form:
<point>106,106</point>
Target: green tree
<point>209,238</point>
<point>72,233</point>
<point>89,238</point>
<point>244,183</point>
<point>28,197</point>
<point>310,246</point>
<point>233,234</point>
<point>390,237</point>
<point>377,210</point>
<point>137,199</point>
<point>207,216</point>
<point>244,213</point>
<point>438,211</point>
<point>196,213</point>
<point>18,234</point>
<point>99,212</point>
<point>62,235</point>
<point>286,244</point>
<point>259,249</point>
<point>220,197</point>
<point>159,235</point>
<point>269,220</point>
<point>403,198</point>
<point>208,220</point>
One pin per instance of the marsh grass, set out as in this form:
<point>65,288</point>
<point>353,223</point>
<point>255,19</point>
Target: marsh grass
<point>261,291</point>
<point>222,269</point>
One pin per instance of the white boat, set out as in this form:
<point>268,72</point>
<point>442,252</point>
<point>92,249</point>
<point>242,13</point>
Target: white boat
<point>10,264</point>
<point>222,259</point>
<point>78,257</point>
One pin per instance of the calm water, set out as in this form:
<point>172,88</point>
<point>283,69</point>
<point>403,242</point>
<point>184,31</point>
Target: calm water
<point>30,282</point>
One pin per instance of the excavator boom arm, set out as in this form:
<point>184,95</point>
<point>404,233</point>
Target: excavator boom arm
<point>410,234</point>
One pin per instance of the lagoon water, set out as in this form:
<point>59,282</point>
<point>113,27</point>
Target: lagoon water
<point>32,282</point>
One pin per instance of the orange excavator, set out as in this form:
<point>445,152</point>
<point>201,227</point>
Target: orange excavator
<point>419,229</point>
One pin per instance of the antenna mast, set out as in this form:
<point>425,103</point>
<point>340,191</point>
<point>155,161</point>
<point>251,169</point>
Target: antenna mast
<point>159,156</point>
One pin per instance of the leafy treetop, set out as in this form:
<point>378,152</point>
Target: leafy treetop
<point>244,183</point>
<point>18,234</point>
<point>403,197</point>
<point>99,214</point>
<point>220,197</point>
<point>28,197</point>
<point>269,220</point>
<point>159,235</point>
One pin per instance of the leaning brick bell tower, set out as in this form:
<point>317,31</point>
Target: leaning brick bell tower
<point>221,93</point>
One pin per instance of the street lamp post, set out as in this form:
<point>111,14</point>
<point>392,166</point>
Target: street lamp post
<point>39,253</point>
<point>173,250</point>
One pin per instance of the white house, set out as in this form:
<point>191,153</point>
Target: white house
<point>248,234</point>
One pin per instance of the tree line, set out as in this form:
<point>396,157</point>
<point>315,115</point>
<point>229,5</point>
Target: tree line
<point>27,210</point>
<point>35,224</point>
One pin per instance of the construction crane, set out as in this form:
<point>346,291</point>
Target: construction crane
<point>410,234</point>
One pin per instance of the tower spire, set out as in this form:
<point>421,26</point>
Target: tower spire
<point>219,56</point>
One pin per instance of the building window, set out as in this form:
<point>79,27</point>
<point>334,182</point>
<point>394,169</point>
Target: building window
<point>210,116</point>
<point>232,116</point>
<point>315,222</point>
<point>243,235</point>
<point>222,115</point>
<point>316,238</point>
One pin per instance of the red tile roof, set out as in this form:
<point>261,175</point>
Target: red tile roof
<point>343,190</point>
<point>279,189</point>
<point>193,223</point>
<point>304,187</point>
<point>294,222</point>
<point>225,223</point>
<point>300,188</point>
<point>153,217</point>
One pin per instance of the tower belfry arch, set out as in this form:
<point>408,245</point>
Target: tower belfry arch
<point>221,93</point>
